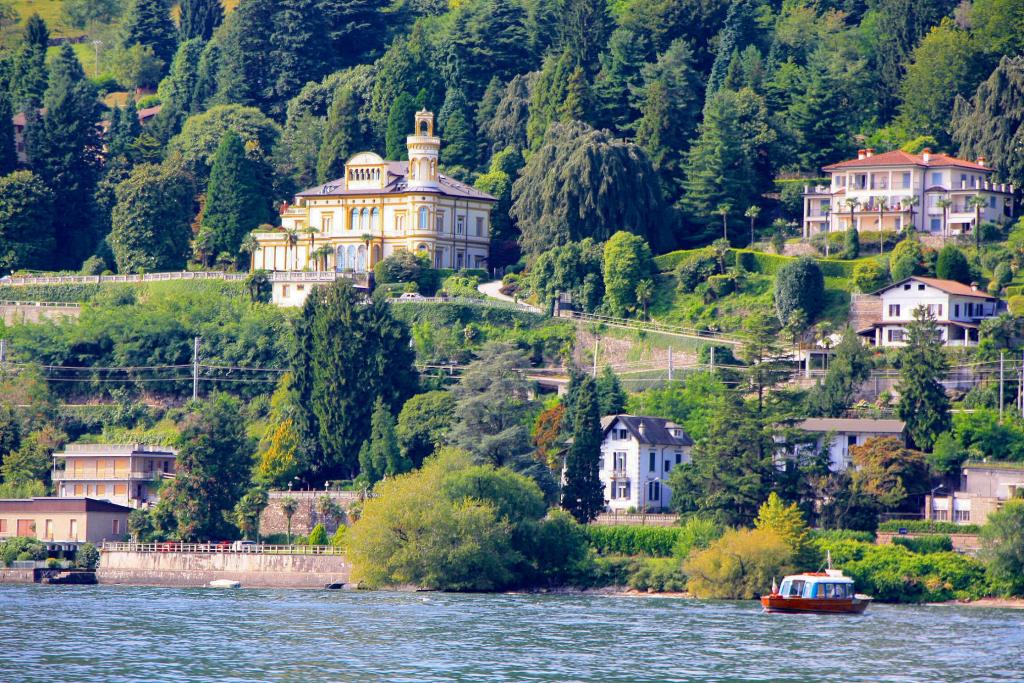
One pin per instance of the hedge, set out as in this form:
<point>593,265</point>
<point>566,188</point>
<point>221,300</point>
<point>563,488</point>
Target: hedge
<point>829,535</point>
<point>928,526</point>
<point>935,543</point>
<point>633,540</point>
<point>758,262</point>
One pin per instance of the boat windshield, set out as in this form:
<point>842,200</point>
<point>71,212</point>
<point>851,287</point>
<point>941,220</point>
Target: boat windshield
<point>833,591</point>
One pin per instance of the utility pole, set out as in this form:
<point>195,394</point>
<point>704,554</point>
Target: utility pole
<point>1002,354</point>
<point>712,358</point>
<point>670,364</point>
<point>3,354</point>
<point>597,342</point>
<point>195,369</point>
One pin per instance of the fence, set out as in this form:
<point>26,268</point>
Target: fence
<point>17,281</point>
<point>40,304</point>
<point>635,519</point>
<point>651,326</point>
<point>211,548</point>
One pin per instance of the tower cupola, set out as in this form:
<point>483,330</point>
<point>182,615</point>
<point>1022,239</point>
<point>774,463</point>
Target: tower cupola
<point>424,150</point>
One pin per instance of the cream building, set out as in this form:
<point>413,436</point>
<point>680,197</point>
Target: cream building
<point>377,209</point>
<point>896,190</point>
<point>63,523</point>
<point>126,474</point>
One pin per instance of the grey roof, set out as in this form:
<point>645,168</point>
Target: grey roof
<point>852,424</point>
<point>396,183</point>
<point>649,430</point>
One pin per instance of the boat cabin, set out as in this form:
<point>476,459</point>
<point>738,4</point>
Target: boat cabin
<point>817,585</point>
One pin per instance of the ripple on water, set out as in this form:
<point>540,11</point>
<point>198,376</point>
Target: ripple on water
<point>118,634</point>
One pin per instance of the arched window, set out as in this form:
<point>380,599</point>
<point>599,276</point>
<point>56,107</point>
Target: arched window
<point>354,219</point>
<point>376,253</point>
<point>350,262</point>
<point>364,220</point>
<point>421,247</point>
<point>424,172</point>
<point>374,218</point>
<point>361,258</point>
<point>423,224</point>
<point>339,258</point>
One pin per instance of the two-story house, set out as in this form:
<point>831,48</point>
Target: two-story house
<point>984,488</point>
<point>958,309</point>
<point>126,474</point>
<point>637,455</point>
<point>894,191</point>
<point>841,433</point>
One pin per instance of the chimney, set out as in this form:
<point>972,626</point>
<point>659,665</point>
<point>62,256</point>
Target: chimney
<point>980,161</point>
<point>926,154</point>
<point>860,154</point>
<point>642,428</point>
<point>974,286</point>
<point>869,152</point>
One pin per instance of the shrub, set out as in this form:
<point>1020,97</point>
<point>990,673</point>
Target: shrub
<point>53,563</point>
<point>851,243</point>
<point>21,548</point>
<point>695,270</point>
<point>739,566</point>
<point>907,259</point>
<point>1001,276</point>
<point>1003,538</point>
<point>892,573</point>
<point>820,536</point>
<point>457,285</point>
<point>318,536</point>
<point>927,526</point>
<point>87,557</point>
<point>338,538</point>
<point>952,265</point>
<point>799,286</point>
<point>1016,305</point>
<point>923,545</point>
<point>659,575</point>
<point>633,540</point>
<point>719,286</point>
<point>607,571</point>
<point>696,533</point>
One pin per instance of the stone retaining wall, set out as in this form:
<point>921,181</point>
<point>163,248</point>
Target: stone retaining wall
<point>963,543</point>
<point>17,575</point>
<point>199,569</point>
<point>273,521</point>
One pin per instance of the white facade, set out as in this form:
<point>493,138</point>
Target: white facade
<point>842,433</point>
<point>896,191</point>
<point>637,455</point>
<point>957,308</point>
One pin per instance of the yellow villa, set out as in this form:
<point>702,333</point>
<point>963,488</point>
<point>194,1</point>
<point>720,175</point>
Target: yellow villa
<point>377,209</point>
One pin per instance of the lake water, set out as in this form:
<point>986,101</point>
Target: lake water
<point>113,634</point>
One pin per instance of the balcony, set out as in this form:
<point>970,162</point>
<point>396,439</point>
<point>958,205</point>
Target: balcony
<point>65,475</point>
<point>620,474</point>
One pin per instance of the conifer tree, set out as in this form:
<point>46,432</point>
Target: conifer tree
<point>992,123</point>
<point>199,19</point>
<point>380,455</point>
<point>400,122</point>
<point>583,493</point>
<point>740,31</point>
<point>488,41</point>
<point>578,101</point>
<point>178,91</point>
<point>848,368</point>
<point>583,29</point>
<point>507,127</point>
<point>124,129</point>
<point>64,149</point>
<point>609,392</point>
<point>8,152</point>
<point>29,75</point>
<point>300,54</point>
<point>820,121</point>
<point>235,203</point>
<point>149,24</point>
<point>459,147</point>
<point>618,85</point>
<point>242,62</point>
<point>26,228</point>
<point>151,222</point>
<point>923,403</point>
<point>952,265</point>
<point>344,135</point>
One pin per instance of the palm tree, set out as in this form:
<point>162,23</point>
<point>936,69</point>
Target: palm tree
<point>289,506</point>
<point>250,246</point>
<point>327,509</point>
<point>723,211</point>
<point>883,206</point>
<point>312,232</point>
<point>247,512</point>
<point>319,257</point>
<point>291,239</point>
<point>944,204</point>
<point>977,202</point>
<point>752,213</point>
<point>852,204</point>
<point>644,294</point>
<point>910,203</point>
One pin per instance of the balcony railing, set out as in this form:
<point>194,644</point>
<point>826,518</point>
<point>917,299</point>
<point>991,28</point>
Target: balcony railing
<point>68,475</point>
<point>208,548</point>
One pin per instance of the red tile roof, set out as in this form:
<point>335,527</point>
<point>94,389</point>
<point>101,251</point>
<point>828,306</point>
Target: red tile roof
<point>396,183</point>
<point>947,286</point>
<point>900,158</point>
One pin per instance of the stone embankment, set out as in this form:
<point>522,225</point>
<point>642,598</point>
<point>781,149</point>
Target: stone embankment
<point>147,565</point>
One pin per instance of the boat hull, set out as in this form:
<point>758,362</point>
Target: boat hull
<point>778,603</point>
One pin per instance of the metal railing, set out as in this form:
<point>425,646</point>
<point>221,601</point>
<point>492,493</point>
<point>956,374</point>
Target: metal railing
<point>115,448</point>
<point>212,548</point>
<point>40,304</point>
<point>651,326</point>
<point>102,279</point>
<point>71,475</point>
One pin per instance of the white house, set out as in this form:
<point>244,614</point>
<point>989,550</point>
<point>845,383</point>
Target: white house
<point>845,432</point>
<point>897,190</point>
<point>984,488</point>
<point>958,309</point>
<point>637,455</point>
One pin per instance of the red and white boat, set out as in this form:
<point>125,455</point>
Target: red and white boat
<point>827,592</point>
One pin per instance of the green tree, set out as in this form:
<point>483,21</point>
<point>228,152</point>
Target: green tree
<point>32,460</point>
<point>454,121</point>
<point>8,153</point>
<point>583,493</point>
<point>28,68</point>
<point>247,511</point>
<point>149,24</point>
<point>376,361</point>
<point>121,138</point>
<point>151,220</point>
<point>201,134</point>
<point>611,397</point>
<point>998,26</point>
<point>64,151</point>
<point>1003,538</point>
<point>851,243</point>
<point>506,126</point>
<point>488,40</point>
<point>952,265</point>
<point>820,119</point>
<point>869,276</point>
<point>849,366</point>
<point>763,354</point>
<point>619,82</point>
<point>993,119</point>
<point>423,424</point>
<point>235,203</point>
<point>87,556</point>
<point>788,522</point>
<point>627,261</point>
<point>740,30</point>
<point>212,470</point>
<point>178,90</point>
<point>886,472</point>
<point>380,455</point>
<point>799,286</point>
<point>739,566</point>
<point>613,186</point>
<point>732,469</point>
<point>400,120</point>
<point>289,506</point>
<point>344,135</point>
<point>923,403</point>
<point>694,404</point>
<point>26,232</point>
<point>318,536</point>
<point>497,182</point>
<point>199,19</point>
<point>240,68</point>
<point>137,66</point>
<point>83,13</point>
<point>575,269</point>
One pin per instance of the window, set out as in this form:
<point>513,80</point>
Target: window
<point>851,440</point>
<point>621,434</point>
<point>940,515</point>
<point>936,178</point>
<point>797,589</point>
<point>992,202</point>
<point>920,288</point>
<point>936,224</point>
<point>620,461</point>
<point>668,466</point>
<point>906,287</point>
<point>78,490</point>
<point>679,458</point>
<point>652,462</point>
<point>479,226</point>
<point>3,526</point>
<point>101,489</point>
<point>654,491</point>
<point>894,310</point>
<point>327,222</point>
<point>895,335</point>
<point>26,527</point>
<point>460,225</point>
<point>120,489</point>
<point>963,180</point>
<point>116,527</point>
<point>400,222</point>
<point>906,181</point>
<point>423,224</point>
<point>73,530</point>
<point>284,290</point>
<point>353,221</point>
<point>439,221</point>
<point>374,218</point>
<point>48,529</point>
<point>956,310</point>
<point>621,489</point>
<point>458,260</point>
<point>961,515</point>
